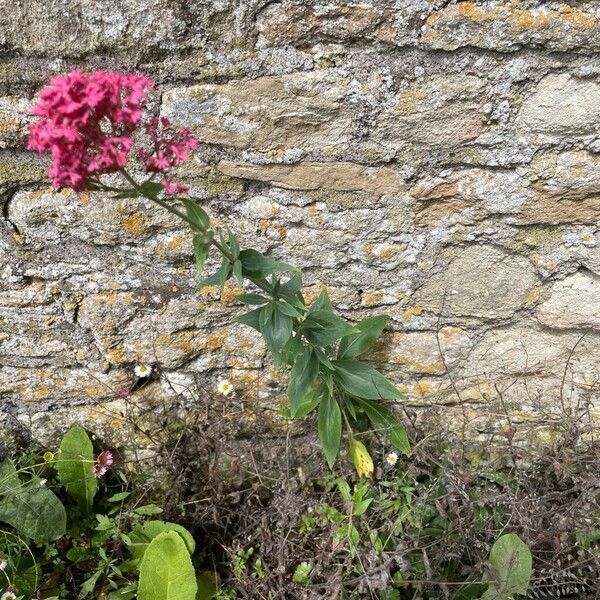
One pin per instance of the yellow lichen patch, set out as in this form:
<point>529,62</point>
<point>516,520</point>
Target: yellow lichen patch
<point>116,356</point>
<point>412,311</point>
<point>533,296</point>
<point>450,331</point>
<point>422,388</point>
<point>229,294</point>
<point>84,198</point>
<point>408,100</point>
<point>134,224</point>
<point>311,294</point>
<point>266,226</point>
<point>529,19</point>
<point>176,244</point>
<point>577,18</point>
<point>372,298</point>
<point>471,11</point>
<point>214,341</point>
<point>92,391</point>
<point>209,291</point>
<point>42,392</point>
<point>116,424</point>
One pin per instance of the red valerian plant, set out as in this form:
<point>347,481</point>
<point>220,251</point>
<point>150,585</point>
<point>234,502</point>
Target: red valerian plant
<point>89,123</point>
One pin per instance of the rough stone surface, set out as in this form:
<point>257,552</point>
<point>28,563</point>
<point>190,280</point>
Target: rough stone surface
<point>436,161</point>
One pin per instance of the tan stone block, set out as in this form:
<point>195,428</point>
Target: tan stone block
<point>574,303</point>
<point>338,176</point>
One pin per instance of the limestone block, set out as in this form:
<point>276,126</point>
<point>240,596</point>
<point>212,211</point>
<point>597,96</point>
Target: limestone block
<point>574,303</point>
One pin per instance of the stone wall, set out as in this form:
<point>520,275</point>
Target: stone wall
<point>436,161</point>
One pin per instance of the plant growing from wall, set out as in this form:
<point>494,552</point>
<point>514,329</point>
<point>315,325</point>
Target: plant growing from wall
<point>88,123</point>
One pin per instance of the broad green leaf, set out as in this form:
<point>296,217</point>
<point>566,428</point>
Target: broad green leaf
<point>276,329</point>
<point>292,286</point>
<point>307,404</point>
<point>257,264</point>
<point>31,508</point>
<point>201,250</point>
<point>166,571</point>
<point>288,309</point>
<point>382,418</point>
<point>252,319</point>
<point>330,427</point>
<point>142,535</point>
<point>196,215</point>
<point>303,375</point>
<point>323,327</point>
<point>322,302</point>
<point>369,330</point>
<point>74,465</point>
<point>363,381</point>
<point>237,271</point>
<point>511,562</point>
<point>207,586</point>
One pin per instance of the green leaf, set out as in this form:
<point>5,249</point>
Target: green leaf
<point>220,277</point>
<point>330,427</point>
<point>322,327</point>
<point>288,309</point>
<point>201,250</point>
<point>237,271</point>
<point>369,330</point>
<point>197,215</point>
<point>234,245</point>
<point>207,586</point>
<point>510,558</point>
<point>251,319</point>
<point>303,375</point>
<point>363,381</point>
<point>166,571</point>
<point>382,418</point>
<point>322,302</point>
<point>255,299</point>
<point>74,466</point>
<point>142,535</point>
<point>292,286</point>
<point>307,404</point>
<point>151,189</point>
<point>31,508</point>
<point>276,328</point>
<point>256,264</point>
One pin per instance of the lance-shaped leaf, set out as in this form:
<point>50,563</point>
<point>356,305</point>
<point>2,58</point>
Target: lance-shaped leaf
<point>330,427</point>
<point>166,571</point>
<point>303,375</point>
<point>74,466</point>
<point>369,330</point>
<point>383,419</point>
<point>323,327</point>
<point>256,264</point>
<point>363,381</point>
<point>197,215</point>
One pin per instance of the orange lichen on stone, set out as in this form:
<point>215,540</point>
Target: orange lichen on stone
<point>372,298</point>
<point>422,388</point>
<point>577,18</point>
<point>408,100</point>
<point>229,294</point>
<point>42,392</point>
<point>116,356</point>
<point>471,11</point>
<point>134,224</point>
<point>412,311</point>
<point>84,198</point>
<point>214,341</point>
<point>176,244</point>
<point>533,296</point>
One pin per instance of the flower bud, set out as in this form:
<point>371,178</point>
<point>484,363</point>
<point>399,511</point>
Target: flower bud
<point>363,463</point>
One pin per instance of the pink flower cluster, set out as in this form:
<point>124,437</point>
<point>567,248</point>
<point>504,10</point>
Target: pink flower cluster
<point>86,121</point>
<point>170,148</point>
<point>102,464</point>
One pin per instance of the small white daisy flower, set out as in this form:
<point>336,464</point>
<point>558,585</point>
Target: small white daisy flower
<point>8,596</point>
<point>224,387</point>
<point>142,370</point>
<point>3,564</point>
<point>391,458</point>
